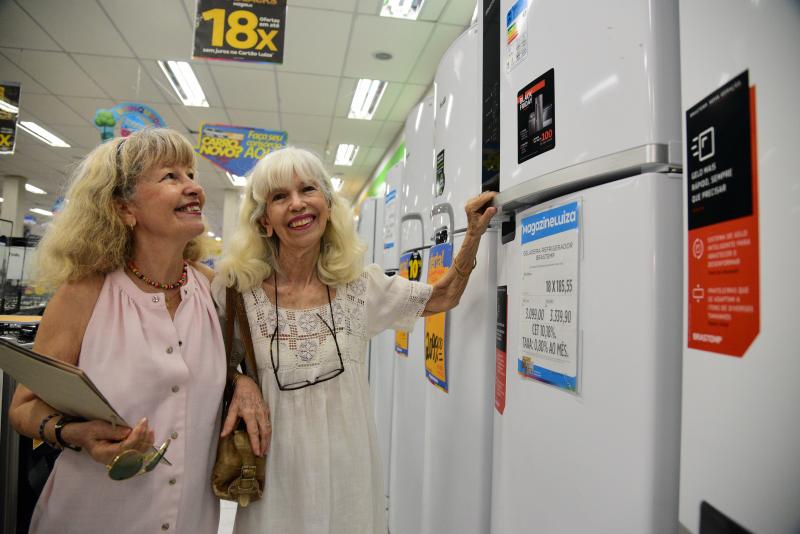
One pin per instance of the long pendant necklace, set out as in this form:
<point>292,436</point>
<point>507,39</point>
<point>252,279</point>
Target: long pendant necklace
<point>160,285</point>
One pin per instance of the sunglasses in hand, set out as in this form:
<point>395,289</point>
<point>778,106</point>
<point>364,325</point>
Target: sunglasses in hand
<point>130,463</point>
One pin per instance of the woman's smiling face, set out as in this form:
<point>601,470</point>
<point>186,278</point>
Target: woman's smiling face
<point>297,214</point>
<point>167,202</point>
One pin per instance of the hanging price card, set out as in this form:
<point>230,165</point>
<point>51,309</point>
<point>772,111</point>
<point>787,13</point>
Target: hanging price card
<point>549,286</point>
<point>441,258</point>
<point>411,269</point>
<point>240,30</point>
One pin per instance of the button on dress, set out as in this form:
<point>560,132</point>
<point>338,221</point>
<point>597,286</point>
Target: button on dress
<point>170,371</point>
<point>324,472</point>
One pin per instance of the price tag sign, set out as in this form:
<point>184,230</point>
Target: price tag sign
<point>240,30</point>
<point>549,291</point>
<point>440,261</point>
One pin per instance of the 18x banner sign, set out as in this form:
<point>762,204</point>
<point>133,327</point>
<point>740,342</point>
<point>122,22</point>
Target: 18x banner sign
<point>241,31</point>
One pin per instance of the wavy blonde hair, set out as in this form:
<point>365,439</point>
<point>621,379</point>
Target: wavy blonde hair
<point>88,237</point>
<point>253,257</point>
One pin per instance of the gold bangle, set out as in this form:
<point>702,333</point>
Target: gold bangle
<point>466,274</point>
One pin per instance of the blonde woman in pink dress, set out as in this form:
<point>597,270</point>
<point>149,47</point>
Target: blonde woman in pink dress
<point>133,309</point>
<point>312,307</point>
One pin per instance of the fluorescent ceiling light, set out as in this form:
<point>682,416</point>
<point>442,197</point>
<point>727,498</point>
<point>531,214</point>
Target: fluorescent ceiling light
<point>217,239</point>
<point>345,154</point>
<point>35,190</point>
<point>1,199</point>
<point>402,9</point>
<point>42,212</point>
<point>337,183</point>
<point>6,106</point>
<point>42,135</point>
<point>366,99</point>
<point>210,234</point>
<point>184,82</point>
<point>237,181</point>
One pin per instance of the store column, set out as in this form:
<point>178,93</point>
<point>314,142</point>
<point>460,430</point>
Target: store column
<point>13,199</point>
<point>230,215</point>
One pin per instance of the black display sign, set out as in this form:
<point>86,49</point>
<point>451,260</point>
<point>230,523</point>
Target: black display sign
<point>536,117</point>
<point>240,30</point>
<point>9,111</point>
<point>439,185</point>
<point>490,160</point>
<point>718,159</point>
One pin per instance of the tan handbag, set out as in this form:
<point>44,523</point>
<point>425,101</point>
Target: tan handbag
<point>238,474</point>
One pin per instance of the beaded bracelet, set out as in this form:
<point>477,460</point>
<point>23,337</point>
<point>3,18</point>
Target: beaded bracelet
<point>43,424</point>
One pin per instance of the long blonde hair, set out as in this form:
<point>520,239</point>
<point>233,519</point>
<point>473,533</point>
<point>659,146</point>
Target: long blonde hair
<point>88,237</point>
<point>252,256</point>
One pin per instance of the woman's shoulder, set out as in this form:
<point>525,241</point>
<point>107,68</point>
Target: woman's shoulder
<point>203,269</point>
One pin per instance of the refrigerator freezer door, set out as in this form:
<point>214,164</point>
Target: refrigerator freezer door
<point>457,130</point>
<point>740,433</point>
<point>606,459</point>
<point>599,78</point>
<point>417,190</point>
<point>390,256</point>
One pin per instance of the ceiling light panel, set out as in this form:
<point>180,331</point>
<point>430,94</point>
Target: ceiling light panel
<point>183,81</point>
<point>402,9</point>
<point>35,190</point>
<point>346,154</point>
<point>366,98</point>
<point>42,135</point>
<point>237,181</point>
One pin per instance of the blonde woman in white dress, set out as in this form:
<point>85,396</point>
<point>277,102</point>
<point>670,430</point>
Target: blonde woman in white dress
<point>312,308</point>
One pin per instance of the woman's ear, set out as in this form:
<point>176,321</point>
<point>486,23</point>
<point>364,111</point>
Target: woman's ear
<point>264,221</point>
<point>128,218</point>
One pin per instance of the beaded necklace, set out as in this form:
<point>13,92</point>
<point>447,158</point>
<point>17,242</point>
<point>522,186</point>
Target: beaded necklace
<point>141,276</point>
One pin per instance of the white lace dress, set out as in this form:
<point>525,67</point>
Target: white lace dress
<point>323,468</point>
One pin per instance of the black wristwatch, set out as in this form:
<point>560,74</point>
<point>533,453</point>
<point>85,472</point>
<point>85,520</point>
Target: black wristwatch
<point>65,420</point>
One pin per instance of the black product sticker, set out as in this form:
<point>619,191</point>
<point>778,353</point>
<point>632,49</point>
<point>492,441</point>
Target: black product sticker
<point>240,30</point>
<point>536,117</point>
<point>439,186</point>
<point>415,266</point>
<point>502,318</point>
<point>720,186</point>
<point>9,112</point>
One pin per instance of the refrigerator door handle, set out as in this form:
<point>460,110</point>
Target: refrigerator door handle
<point>413,217</point>
<point>447,209</point>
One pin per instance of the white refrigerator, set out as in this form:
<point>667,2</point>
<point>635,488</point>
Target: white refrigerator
<point>741,358</point>
<point>586,429</point>
<point>381,368</point>
<point>408,418</point>
<point>456,489</point>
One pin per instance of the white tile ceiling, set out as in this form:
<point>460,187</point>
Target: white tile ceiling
<point>73,57</point>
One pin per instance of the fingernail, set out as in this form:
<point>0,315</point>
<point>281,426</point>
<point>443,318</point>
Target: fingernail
<point>143,421</point>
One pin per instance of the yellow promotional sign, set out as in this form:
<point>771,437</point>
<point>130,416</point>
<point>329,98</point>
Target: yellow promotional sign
<point>401,337</point>
<point>441,258</point>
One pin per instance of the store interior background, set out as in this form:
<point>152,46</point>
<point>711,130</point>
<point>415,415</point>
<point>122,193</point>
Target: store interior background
<point>728,424</point>
<point>73,58</point>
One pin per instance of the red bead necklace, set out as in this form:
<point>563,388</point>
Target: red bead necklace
<point>141,276</point>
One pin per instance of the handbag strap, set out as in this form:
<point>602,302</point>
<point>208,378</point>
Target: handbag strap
<point>235,312</point>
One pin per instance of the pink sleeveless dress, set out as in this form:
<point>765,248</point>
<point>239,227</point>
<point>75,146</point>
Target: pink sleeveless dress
<point>171,372</point>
